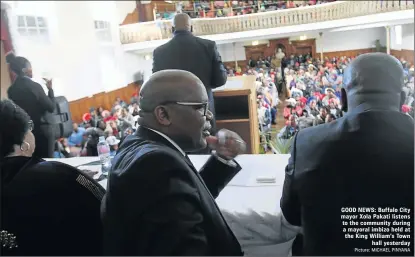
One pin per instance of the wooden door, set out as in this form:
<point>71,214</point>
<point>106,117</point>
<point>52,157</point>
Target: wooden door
<point>304,47</point>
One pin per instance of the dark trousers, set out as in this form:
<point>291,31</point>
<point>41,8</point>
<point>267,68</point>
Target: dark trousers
<point>45,141</point>
<point>273,114</point>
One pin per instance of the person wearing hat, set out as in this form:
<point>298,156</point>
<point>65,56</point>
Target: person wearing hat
<point>289,108</point>
<point>330,93</point>
<point>88,120</point>
<point>113,143</point>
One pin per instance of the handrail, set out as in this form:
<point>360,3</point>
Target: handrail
<point>162,29</point>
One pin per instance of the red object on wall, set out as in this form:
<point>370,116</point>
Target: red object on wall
<point>5,38</point>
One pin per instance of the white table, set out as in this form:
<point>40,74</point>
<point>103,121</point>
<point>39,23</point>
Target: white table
<point>243,192</point>
<point>241,195</point>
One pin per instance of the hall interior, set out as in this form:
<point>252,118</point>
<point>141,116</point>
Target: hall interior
<point>106,52</point>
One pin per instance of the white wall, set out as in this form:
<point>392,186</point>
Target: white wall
<point>79,64</point>
<point>350,40</point>
<point>124,8</point>
<point>407,38</point>
<point>133,63</point>
<point>332,42</point>
<point>227,53</point>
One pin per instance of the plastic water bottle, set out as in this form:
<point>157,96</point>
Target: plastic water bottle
<point>104,155</point>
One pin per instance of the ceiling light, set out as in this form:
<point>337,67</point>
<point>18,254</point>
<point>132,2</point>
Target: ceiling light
<point>303,37</point>
<point>147,57</point>
<point>255,43</point>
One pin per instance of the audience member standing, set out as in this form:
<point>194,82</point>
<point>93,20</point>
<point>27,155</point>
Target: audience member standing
<point>157,203</point>
<point>187,52</point>
<point>30,96</point>
<point>364,159</point>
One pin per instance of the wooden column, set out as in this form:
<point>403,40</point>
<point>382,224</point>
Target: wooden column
<point>141,12</point>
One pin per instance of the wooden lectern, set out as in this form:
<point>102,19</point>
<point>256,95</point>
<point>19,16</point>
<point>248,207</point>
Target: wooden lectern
<point>236,110</point>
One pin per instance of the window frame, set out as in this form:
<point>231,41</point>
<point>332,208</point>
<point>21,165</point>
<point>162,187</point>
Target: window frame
<point>24,29</point>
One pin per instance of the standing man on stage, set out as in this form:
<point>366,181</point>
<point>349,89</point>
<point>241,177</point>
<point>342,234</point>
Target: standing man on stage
<point>196,55</point>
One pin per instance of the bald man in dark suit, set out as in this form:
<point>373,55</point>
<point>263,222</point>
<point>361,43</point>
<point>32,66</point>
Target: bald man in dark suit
<point>364,159</point>
<point>196,55</point>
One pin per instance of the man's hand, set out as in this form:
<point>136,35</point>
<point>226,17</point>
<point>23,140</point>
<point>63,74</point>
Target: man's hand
<point>227,144</point>
<point>48,83</point>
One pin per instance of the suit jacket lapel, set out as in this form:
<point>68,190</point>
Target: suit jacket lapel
<point>152,136</point>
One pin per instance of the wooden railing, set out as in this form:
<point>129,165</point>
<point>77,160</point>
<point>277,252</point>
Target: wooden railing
<point>162,29</point>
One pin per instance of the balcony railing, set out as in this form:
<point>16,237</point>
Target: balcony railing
<point>162,29</point>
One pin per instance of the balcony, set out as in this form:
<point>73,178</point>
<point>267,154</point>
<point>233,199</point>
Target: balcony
<point>162,29</point>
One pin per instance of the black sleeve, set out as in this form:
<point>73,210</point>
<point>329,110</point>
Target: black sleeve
<point>165,205</point>
<point>219,74</point>
<point>217,175</point>
<point>47,103</point>
<point>290,203</point>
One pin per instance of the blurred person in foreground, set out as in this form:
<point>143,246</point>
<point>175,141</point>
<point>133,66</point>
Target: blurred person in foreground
<point>31,97</point>
<point>47,208</point>
<point>157,203</point>
<point>364,159</point>
<point>196,55</point>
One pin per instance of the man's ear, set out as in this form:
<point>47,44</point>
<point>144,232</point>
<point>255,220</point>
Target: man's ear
<point>343,100</point>
<point>162,115</point>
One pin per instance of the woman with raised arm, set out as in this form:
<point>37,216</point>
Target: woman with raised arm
<point>31,97</point>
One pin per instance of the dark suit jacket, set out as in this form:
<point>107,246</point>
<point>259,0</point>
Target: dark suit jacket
<point>365,159</point>
<point>30,96</point>
<point>158,204</point>
<point>196,55</point>
<point>52,208</point>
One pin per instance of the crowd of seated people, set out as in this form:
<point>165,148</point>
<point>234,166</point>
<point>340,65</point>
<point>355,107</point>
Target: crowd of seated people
<point>312,90</point>
<point>202,9</point>
<point>115,125</point>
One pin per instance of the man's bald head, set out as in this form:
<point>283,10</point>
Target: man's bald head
<point>175,102</point>
<point>182,22</point>
<point>374,78</point>
<point>170,86</point>
<point>374,72</point>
